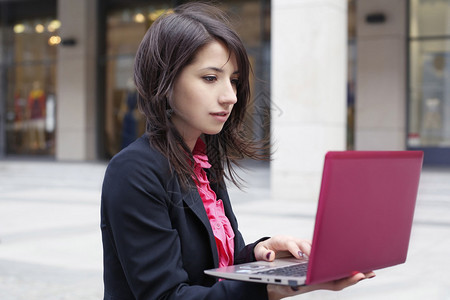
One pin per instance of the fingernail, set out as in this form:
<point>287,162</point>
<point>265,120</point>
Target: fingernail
<point>268,255</point>
<point>301,254</point>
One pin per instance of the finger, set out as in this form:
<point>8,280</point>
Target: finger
<point>282,246</point>
<point>269,255</point>
<point>299,248</point>
<point>293,247</point>
<point>341,284</point>
<point>275,247</point>
<point>346,282</point>
<point>337,285</point>
<point>262,253</point>
<point>305,247</point>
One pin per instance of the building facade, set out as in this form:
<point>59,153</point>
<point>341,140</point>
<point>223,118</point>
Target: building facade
<point>329,75</point>
<point>67,67</point>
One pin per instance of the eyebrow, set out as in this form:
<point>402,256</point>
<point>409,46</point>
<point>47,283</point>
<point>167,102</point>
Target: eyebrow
<point>218,70</point>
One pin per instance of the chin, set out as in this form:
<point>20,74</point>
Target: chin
<point>213,131</point>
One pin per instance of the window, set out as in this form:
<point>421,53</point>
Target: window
<point>429,74</point>
<point>30,89</point>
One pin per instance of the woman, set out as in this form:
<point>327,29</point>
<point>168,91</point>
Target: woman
<point>166,215</point>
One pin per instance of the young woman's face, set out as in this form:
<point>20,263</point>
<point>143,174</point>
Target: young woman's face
<point>204,93</point>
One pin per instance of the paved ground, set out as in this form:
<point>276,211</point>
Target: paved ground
<point>50,245</point>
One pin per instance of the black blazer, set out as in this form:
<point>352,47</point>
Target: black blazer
<point>157,240</point>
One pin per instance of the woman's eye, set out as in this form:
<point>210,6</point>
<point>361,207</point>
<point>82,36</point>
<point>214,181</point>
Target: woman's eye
<point>209,78</point>
<point>235,81</point>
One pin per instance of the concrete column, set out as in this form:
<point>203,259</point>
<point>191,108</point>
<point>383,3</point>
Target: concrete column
<point>380,106</point>
<point>2,92</point>
<point>308,85</point>
<point>76,81</point>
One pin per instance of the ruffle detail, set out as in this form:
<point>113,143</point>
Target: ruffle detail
<point>223,232</point>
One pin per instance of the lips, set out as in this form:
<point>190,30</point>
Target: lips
<point>221,116</point>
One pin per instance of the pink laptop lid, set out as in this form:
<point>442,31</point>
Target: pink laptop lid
<point>365,212</point>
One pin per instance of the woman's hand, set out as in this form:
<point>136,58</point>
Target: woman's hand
<point>282,246</point>
<point>285,246</point>
<point>276,292</point>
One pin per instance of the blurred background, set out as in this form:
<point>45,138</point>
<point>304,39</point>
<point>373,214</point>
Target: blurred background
<point>328,75</point>
<point>66,71</point>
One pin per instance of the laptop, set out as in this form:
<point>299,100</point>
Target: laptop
<point>363,221</point>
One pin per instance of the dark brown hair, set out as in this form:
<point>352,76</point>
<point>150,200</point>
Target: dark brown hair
<point>169,45</point>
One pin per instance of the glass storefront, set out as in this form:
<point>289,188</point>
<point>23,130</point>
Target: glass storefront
<point>429,77</point>
<point>124,31</point>
<point>351,73</point>
<point>30,67</point>
<point>125,27</point>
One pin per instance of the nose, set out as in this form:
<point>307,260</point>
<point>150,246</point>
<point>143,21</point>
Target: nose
<point>228,94</point>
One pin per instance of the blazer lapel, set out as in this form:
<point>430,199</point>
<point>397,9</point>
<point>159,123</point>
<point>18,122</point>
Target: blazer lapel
<point>195,203</point>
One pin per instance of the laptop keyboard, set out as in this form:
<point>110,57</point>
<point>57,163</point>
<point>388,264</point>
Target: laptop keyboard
<point>293,270</point>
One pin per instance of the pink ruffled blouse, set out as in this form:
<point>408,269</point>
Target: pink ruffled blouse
<point>220,224</point>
